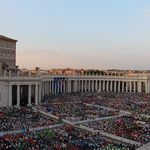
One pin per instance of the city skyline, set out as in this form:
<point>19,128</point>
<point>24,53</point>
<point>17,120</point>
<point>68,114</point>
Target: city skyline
<point>75,34</point>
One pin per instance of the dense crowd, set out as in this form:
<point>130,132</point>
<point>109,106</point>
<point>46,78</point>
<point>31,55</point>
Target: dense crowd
<point>132,102</point>
<point>23,118</point>
<point>64,138</point>
<point>76,111</point>
<point>78,107</point>
<point>126,127</point>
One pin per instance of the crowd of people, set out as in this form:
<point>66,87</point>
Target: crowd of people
<point>133,102</point>
<point>126,127</point>
<point>76,111</point>
<point>23,118</point>
<point>63,138</point>
<point>75,108</point>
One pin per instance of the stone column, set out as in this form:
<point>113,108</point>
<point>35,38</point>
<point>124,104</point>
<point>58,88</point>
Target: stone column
<point>146,87</point>
<point>115,86</point>
<point>79,85</point>
<point>68,86</point>
<point>127,86</point>
<point>50,87</point>
<point>92,85</point>
<point>134,86</point>
<point>107,87</point>
<point>55,87</point>
<point>139,87</point>
<point>89,87</point>
<point>74,86</point>
<point>36,94</point>
<point>10,94</point>
<point>130,85</point>
<point>18,95</point>
<point>99,86</point>
<point>29,95</point>
<point>56,84</point>
<point>122,86</point>
<point>40,93</point>
<point>64,85</point>
<point>61,86</point>
<point>85,86</point>
<point>111,84</point>
<point>118,86</point>
<point>103,85</point>
<point>82,86</point>
<point>47,87</point>
<point>96,82</point>
<point>43,88</point>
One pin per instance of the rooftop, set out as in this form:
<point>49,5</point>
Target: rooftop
<point>7,39</point>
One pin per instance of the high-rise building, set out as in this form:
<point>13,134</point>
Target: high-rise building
<point>7,53</point>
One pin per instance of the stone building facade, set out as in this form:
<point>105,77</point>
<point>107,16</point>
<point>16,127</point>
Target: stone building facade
<point>26,90</point>
<point>7,53</point>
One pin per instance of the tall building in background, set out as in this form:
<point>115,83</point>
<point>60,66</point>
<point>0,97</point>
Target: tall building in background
<point>7,53</point>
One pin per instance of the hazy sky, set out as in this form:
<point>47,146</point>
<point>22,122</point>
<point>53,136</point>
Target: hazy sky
<point>79,33</point>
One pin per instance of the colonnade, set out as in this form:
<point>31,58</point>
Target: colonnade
<point>36,88</point>
<point>69,86</point>
<point>33,91</point>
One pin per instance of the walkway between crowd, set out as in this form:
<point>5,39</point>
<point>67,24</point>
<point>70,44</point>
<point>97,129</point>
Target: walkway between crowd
<point>98,119</point>
<point>30,130</point>
<point>117,138</point>
<point>98,106</point>
<point>145,147</point>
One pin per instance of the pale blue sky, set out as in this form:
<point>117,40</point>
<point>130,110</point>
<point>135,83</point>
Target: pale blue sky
<point>79,33</point>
